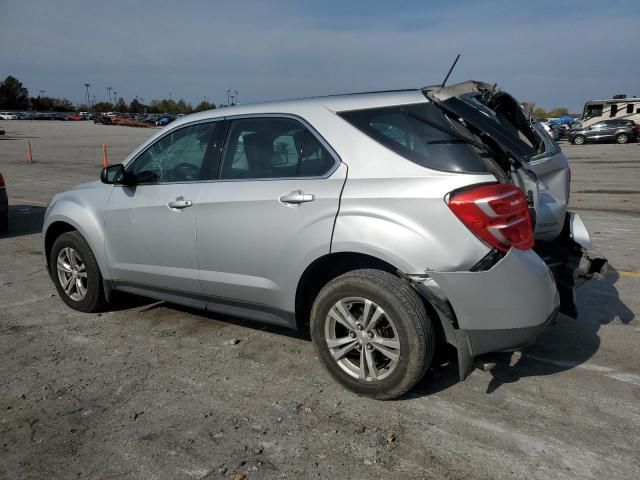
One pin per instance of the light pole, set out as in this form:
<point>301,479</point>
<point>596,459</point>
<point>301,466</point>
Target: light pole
<point>115,94</point>
<point>237,101</point>
<point>87,85</point>
<point>109,93</point>
<point>228,92</point>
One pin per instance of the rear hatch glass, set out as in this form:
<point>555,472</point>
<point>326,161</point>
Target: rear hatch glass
<point>423,134</point>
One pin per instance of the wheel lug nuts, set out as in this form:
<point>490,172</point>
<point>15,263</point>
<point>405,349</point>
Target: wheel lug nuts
<point>352,334</point>
<point>369,347</point>
<point>360,327</point>
<point>370,334</point>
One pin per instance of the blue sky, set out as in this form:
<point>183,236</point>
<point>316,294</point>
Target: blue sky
<point>550,52</point>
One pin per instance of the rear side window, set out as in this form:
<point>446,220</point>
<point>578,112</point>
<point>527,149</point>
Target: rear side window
<point>409,131</point>
<point>268,147</point>
<point>614,110</point>
<point>629,107</point>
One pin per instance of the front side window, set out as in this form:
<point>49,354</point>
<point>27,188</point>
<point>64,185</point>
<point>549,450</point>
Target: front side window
<point>180,156</point>
<point>629,107</point>
<point>267,147</point>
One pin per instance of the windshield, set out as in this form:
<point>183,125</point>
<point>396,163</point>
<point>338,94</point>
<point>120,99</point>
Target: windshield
<point>423,134</point>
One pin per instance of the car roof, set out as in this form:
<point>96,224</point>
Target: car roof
<point>335,103</point>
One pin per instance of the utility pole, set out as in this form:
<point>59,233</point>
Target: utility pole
<point>228,92</point>
<point>87,85</point>
<point>115,94</point>
<point>237,101</point>
<point>109,93</point>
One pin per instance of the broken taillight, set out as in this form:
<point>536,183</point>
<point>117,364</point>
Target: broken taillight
<point>497,213</point>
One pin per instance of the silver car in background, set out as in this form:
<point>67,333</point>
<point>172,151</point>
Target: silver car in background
<point>387,223</point>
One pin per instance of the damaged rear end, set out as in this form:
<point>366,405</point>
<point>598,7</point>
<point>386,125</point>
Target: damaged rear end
<point>527,157</point>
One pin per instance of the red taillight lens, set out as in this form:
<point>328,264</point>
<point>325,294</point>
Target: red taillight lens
<point>497,213</point>
<point>1,180</point>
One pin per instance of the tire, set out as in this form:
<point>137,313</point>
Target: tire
<point>622,138</point>
<point>578,140</point>
<point>93,298</point>
<point>403,323</point>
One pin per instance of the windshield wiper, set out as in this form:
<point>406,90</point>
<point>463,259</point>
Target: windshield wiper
<point>459,138</point>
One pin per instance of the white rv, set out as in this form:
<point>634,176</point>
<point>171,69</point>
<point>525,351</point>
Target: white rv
<point>618,107</point>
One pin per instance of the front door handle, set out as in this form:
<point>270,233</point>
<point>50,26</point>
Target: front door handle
<point>179,203</point>
<point>296,197</point>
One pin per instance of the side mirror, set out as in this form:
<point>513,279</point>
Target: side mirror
<point>112,174</point>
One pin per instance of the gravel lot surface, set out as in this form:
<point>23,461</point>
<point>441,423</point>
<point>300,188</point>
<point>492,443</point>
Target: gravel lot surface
<point>155,391</point>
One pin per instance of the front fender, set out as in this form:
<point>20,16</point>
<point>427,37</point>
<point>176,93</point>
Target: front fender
<point>84,216</point>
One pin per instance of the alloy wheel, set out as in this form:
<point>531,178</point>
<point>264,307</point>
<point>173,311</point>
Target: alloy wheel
<point>622,138</point>
<point>72,274</point>
<point>362,339</point>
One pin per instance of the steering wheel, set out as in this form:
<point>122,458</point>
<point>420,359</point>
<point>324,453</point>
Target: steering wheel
<point>185,171</point>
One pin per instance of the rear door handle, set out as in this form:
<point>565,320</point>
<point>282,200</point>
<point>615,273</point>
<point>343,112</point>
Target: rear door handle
<point>179,203</point>
<point>296,197</point>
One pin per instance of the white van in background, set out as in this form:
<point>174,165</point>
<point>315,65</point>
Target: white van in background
<point>618,107</point>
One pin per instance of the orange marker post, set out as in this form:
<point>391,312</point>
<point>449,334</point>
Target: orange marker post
<point>29,153</point>
<point>105,160</point>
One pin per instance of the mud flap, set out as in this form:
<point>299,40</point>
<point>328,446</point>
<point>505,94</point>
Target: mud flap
<point>571,262</point>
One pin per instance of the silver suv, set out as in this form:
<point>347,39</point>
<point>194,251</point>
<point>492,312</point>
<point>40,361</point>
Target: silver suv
<point>388,223</point>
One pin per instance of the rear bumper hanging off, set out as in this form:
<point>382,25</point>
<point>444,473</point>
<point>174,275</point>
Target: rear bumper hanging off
<point>571,261</point>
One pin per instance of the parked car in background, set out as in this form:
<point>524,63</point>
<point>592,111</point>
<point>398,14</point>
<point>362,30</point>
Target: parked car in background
<point>430,232</point>
<point>619,131</point>
<point>4,206</point>
<point>165,120</point>
<point>8,116</point>
<point>551,130</point>
<point>43,116</point>
<point>75,117</point>
<point>24,115</point>
<point>85,115</point>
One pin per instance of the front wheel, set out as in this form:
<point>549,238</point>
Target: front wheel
<point>76,274</point>
<point>578,140</point>
<point>622,138</point>
<point>372,333</point>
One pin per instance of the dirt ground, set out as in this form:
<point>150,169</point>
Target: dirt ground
<point>155,391</point>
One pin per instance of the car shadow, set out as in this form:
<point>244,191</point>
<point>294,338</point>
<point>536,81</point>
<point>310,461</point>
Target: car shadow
<point>24,220</point>
<point>565,344</point>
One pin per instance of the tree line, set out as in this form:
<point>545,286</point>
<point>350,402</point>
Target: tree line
<point>539,112</point>
<point>14,96</point>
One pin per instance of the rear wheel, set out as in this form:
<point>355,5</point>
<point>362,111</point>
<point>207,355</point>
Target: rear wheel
<point>76,273</point>
<point>622,138</point>
<point>578,140</point>
<point>372,332</point>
